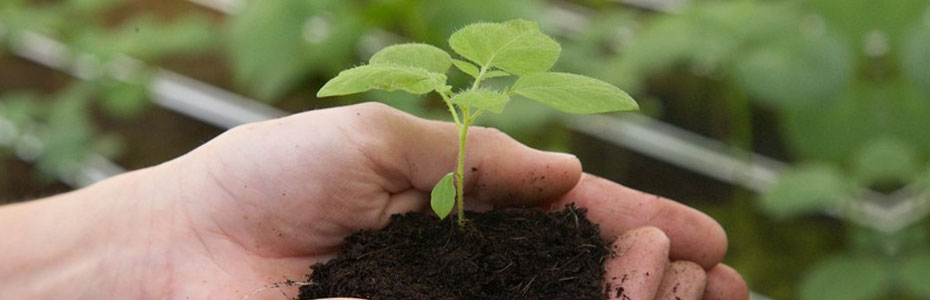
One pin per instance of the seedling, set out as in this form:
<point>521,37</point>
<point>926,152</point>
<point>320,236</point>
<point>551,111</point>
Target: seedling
<point>514,48</point>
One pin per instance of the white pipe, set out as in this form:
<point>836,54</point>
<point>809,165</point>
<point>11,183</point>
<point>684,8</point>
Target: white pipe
<point>682,148</point>
<point>207,103</point>
<point>714,159</point>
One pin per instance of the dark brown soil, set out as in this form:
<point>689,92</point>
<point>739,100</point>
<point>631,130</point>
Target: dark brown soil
<point>502,254</point>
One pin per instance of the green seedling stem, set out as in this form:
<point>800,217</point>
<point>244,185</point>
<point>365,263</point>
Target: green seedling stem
<point>511,49</point>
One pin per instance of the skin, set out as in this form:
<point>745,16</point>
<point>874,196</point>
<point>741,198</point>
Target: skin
<point>263,201</point>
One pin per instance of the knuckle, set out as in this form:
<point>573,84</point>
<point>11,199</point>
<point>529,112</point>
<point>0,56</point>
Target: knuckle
<point>371,113</point>
<point>688,269</point>
<point>651,235</point>
<point>237,132</point>
<point>375,108</point>
<point>490,133</point>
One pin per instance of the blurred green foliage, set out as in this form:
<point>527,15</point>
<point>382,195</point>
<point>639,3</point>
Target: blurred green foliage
<point>847,82</point>
<point>846,277</point>
<point>58,125</point>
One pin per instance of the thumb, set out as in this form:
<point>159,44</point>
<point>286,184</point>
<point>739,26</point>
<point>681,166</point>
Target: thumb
<point>499,171</point>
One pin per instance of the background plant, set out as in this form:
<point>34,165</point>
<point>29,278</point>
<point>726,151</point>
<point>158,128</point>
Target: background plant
<point>842,79</point>
<point>59,120</point>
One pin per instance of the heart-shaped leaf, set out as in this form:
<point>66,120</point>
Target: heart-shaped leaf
<point>517,46</point>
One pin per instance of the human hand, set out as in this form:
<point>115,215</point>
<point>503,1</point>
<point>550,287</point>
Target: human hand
<point>315,178</point>
<point>263,201</point>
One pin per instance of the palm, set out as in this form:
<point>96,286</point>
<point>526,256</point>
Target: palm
<point>255,211</point>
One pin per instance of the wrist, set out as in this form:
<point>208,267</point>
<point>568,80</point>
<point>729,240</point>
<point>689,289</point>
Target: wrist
<point>97,242</point>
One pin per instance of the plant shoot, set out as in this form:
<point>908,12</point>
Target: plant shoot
<point>515,48</point>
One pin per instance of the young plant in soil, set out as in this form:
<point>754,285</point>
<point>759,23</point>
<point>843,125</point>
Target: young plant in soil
<point>515,48</point>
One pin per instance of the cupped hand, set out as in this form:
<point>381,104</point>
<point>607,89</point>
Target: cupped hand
<point>262,202</point>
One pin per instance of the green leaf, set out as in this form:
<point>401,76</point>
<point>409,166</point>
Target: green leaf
<point>442,199</point>
<point>845,277</point>
<point>803,190</point>
<point>797,72</point>
<point>386,77</point>
<point>434,21</point>
<point>124,99</point>
<point>831,132</point>
<point>708,38</point>
<point>91,6</point>
<point>573,93</point>
<point>266,47</point>
<point>886,160</point>
<point>274,45</point>
<point>495,74</point>
<point>913,275</point>
<point>21,107</point>
<point>188,35</point>
<point>915,59</point>
<point>517,46</point>
<point>492,101</point>
<point>68,137</point>
<point>465,67</point>
<point>415,55</point>
<point>923,179</point>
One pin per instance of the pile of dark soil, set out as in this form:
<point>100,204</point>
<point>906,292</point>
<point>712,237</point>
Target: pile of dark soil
<point>501,254</point>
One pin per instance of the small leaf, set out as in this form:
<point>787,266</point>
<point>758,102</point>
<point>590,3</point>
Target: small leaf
<point>913,275</point>
<point>415,55</point>
<point>495,74</point>
<point>573,93</point>
<point>845,277</point>
<point>386,77</point>
<point>517,46</point>
<point>465,67</point>
<point>482,98</point>
<point>442,199</point>
<point>805,190</point>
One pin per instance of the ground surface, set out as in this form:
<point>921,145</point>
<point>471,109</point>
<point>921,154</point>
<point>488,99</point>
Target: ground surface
<point>504,254</point>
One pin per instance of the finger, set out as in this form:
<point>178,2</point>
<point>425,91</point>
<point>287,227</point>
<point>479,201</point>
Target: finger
<point>498,170</point>
<point>405,201</point>
<point>637,266</point>
<point>694,236</point>
<point>724,283</point>
<point>683,280</point>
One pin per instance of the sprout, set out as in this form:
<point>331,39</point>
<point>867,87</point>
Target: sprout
<point>514,48</point>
